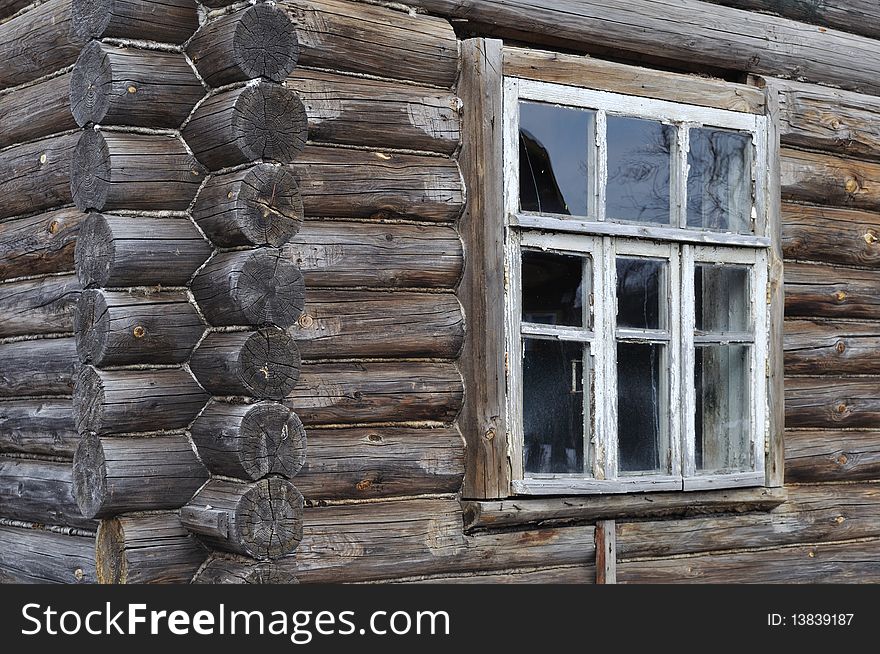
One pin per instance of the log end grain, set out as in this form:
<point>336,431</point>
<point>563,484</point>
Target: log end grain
<point>89,18</point>
<point>88,400</point>
<point>274,441</point>
<point>222,570</point>
<point>270,123</point>
<point>89,476</point>
<point>94,252</point>
<point>91,324</point>
<point>269,364</point>
<point>269,518</point>
<point>110,559</point>
<point>90,171</point>
<point>265,43</point>
<point>90,83</point>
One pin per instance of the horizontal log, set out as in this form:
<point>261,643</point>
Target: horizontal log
<point>122,328</point>
<point>40,244</point>
<point>342,253</point>
<point>41,492</point>
<point>224,569</point>
<point>813,455</point>
<point>258,41</point>
<point>255,287</point>
<point>364,392</point>
<point>42,367</point>
<point>148,549</point>
<point>844,236</point>
<point>847,402</point>
<point>830,292</point>
<point>38,306</point>
<point>166,21</point>
<point>378,114</point>
<point>343,324</point>
<point>34,556</point>
<point>113,170</point>
<point>262,519</point>
<point>38,427</point>
<point>10,7</point>
<point>35,111</point>
<point>263,363</point>
<point>343,183</point>
<point>375,40</point>
<point>123,401</point>
<point>381,462</point>
<point>829,180</point>
<point>37,175</point>
<point>261,205</point>
<point>831,347</point>
<point>255,122</point>
<point>127,86</point>
<point>116,251</point>
<point>686,31</point>
<point>571,574</point>
<point>120,475</point>
<point>250,441</point>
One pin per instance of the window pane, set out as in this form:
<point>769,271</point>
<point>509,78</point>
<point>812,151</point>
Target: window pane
<point>721,298</point>
<point>641,293</point>
<point>641,406</point>
<point>719,180</point>
<point>554,405</point>
<point>638,170</point>
<point>721,379</point>
<point>553,288</point>
<point>553,156</point>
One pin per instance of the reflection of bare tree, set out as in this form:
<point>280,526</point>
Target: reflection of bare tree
<point>718,188</point>
<point>638,182</point>
<point>538,188</point>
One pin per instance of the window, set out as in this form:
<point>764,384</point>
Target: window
<point>636,302</point>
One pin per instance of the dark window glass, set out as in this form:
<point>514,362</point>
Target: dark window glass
<point>641,409</point>
<point>641,293</point>
<point>719,180</point>
<point>553,288</point>
<point>638,170</point>
<point>721,298</point>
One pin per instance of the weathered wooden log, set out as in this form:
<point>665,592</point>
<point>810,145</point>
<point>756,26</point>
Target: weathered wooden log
<point>35,111</point>
<point>36,175</point>
<point>121,328</point>
<point>342,324</point>
<point>35,556</point>
<point>38,427</point>
<point>250,441</point>
<point>258,41</point>
<point>365,392</point>
<point>379,114</point>
<point>47,366</point>
<point>263,363</point>
<point>224,569</point>
<point>40,244</point>
<point>38,306</point>
<point>813,290</point>
<point>126,86</point>
<point>166,21</point>
<point>146,549</point>
<point>255,122</point>
<point>826,234</point>
<point>119,475</point>
<point>255,206</point>
<point>123,401</point>
<point>343,253</point>
<point>382,462</point>
<point>341,183</point>
<point>855,16</point>
<point>10,7</point>
<point>335,34</point>
<point>829,180</point>
<point>254,287</point>
<point>568,574</point>
<point>41,492</point>
<point>116,251</point>
<point>832,347</point>
<point>114,170</point>
<point>847,402</point>
<point>261,519</point>
<point>814,455</point>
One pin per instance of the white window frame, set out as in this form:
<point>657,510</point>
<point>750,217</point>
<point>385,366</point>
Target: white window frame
<point>602,240</point>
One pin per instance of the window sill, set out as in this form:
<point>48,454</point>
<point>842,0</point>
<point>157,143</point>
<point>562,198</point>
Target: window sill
<point>519,512</point>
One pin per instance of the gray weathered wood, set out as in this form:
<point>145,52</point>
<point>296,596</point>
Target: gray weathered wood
<point>260,205</point>
<point>226,569</point>
<point>35,111</point>
<point>570,574</point>
<point>41,492</point>
<point>146,549</point>
<point>166,21</point>
<point>262,519</point>
<point>121,328</point>
<point>255,287</point>
<point>257,41</point>
<point>250,441</point>
<point>127,86</point>
<point>828,291</point>
<point>119,475</point>
<point>41,367</point>
<point>35,556</point>
<point>856,16</point>
<point>831,347</point>
<point>379,114</point>
<point>344,253</point>
<point>829,180</point>
<point>40,244</point>
<point>38,306</point>
<point>254,122</point>
<point>845,402</point>
<point>43,426</point>
<point>123,401</point>
<point>827,234</point>
<point>263,363</point>
<point>10,7</point>
<point>114,170</point>
<point>118,252</point>
<point>36,175</point>
<point>606,552</point>
<point>814,455</point>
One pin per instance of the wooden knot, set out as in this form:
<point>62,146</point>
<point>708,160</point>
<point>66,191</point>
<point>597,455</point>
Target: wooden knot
<point>841,408</point>
<point>79,574</point>
<point>812,554</point>
<point>835,123</point>
<point>841,460</point>
<point>383,156</point>
<point>840,519</point>
<point>840,295</point>
<point>194,172</point>
<point>870,237</point>
<point>364,484</point>
<point>139,332</point>
<point>43,158</point>
<point>230,195</point>
<point>841,347</point>
<point>374,438</point>
<point>132,89</point>
<point>53,227</point>
<point>306,321</point>
<point>851,185</point>
<point>490,433</point>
